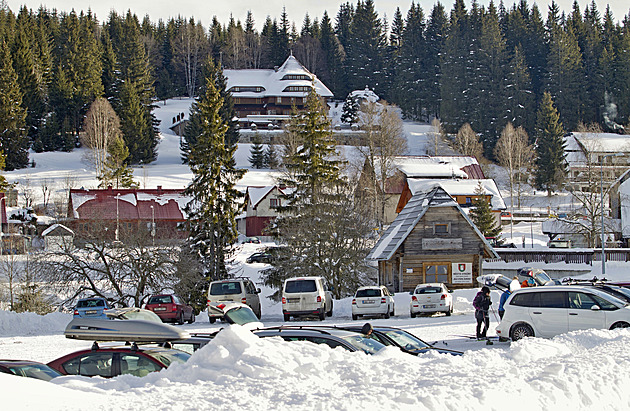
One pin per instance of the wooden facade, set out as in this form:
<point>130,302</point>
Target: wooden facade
<point>441,245</point>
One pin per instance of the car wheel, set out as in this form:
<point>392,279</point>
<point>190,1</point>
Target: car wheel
<point>450,311</point>
<point>354,317</point>
<point>259,312</point>
<point>180,319</point>
<point>413,315</point>
<point>287,317</point>
<point>212,320</point>
<point>192,317</point>
<point>393,311</point>
<point>322,315</point>
<point>620,324</point>
<point>329,313</point>
<point>521,331</point>
<point>386,315</point>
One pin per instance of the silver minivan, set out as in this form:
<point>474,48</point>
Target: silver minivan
<point>306,296</point>
<point>239,290</point>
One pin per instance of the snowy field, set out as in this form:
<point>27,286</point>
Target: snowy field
<point>585,370</point>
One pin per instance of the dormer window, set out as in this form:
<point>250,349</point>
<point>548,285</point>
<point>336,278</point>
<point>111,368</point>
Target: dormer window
<point>297,77</point>
<point>246,89</point>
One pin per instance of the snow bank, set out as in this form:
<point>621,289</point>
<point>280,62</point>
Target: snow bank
<point>12,323</point>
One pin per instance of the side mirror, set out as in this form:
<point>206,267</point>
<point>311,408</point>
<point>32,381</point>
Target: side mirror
<point>411,292</point>
<point>450,291</point>
<point>595,308</point>
<point>258,291</point>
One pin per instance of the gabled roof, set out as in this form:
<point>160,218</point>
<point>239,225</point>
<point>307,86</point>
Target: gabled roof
<point>57,229</point>
<point>274,82</point>
<point>409,217</point>
<point>256,194</point>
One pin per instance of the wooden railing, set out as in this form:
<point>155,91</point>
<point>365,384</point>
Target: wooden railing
<point>569,256</point>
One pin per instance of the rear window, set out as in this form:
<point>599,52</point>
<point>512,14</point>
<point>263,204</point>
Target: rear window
<point>90,303</point>
<point>225,288</point>
<point>428,290</point>
<point>160,299</point>
<point>300,286</point>
<point>526,300</point>
<point>369,293</point>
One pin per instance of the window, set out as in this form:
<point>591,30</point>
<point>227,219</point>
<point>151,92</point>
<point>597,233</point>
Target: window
<point>225,288</point>
<point>583,301</point>
<point>297,89</point>
<point>90,365</point>
<point>370,292</point>
<point>526,300</point>
<point>274,202</point>
<point>137,365</point>
<point>279,100</point>
<point>468,200</point>
<point>297,77</point>
<point>441,228</point>
<point>300,286</point>
<point>436,273</point>
<point>553,299</point>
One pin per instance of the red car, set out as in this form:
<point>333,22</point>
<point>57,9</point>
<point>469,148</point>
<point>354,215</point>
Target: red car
<point>110,362</point>
<point>171,308</point>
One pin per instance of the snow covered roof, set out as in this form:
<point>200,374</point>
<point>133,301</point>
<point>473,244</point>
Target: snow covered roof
<point>128,204</point>
<point>365,95</point>
<point>606,142</point>
<point>409,217</point>
<point>436,167</point>
<point>457,187</point>
<point>256,194</point>
<point>260,83</point>
<point>60,228</point>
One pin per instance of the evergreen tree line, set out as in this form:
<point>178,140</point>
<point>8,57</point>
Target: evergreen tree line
<point>485,66</point>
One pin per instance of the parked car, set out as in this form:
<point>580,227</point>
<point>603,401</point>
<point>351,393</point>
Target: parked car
<point>260,257</point>
<point>539,276</point>
<point>402,339</point>
<point>431,298</point>
<point>372,301</point>
<point>170,308</point>
<point>252,240</point>
<point>239,289</point>
<point>94,307</point>
<point>306,296</point>
<point>331,336</point>
<point>622,293</point>
<point>26,368</point>
<point>110,362</point>
<point>549,311</point>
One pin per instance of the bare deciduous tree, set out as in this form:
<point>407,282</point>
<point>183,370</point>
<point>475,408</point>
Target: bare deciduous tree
<point>383,140</point>
<point>190,47</point>
<point>467,142</point>
<point>516,155</point>
<point>101,127</point>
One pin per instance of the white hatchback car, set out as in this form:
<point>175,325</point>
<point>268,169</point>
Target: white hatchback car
<point>431,298</point>
<point>372,301</point>
<point>552,310</point>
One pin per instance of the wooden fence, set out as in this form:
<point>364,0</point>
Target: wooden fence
<point>569,256</point>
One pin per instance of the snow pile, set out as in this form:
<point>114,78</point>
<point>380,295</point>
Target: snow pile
<point>12,323</point>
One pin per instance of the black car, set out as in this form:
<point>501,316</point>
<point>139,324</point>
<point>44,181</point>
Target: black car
<point>261,257</point>
<point>622,293</point>
<point>402,339</point>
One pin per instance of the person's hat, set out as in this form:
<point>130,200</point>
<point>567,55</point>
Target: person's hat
<point>485,289</point>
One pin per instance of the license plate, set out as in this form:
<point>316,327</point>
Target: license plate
<point>160,309</point>
<point>368,301</point>
<point>91,312</point>
<point>429,306</point>
<point>293,300</point>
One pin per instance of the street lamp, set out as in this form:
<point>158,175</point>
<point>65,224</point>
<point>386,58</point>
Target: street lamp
<point>601,168</point>
<point>153,226</point>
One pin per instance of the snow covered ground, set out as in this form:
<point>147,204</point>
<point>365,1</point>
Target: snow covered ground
<point>577,371</point>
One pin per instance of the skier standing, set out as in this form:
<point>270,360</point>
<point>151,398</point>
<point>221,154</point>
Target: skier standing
<point>482,304</point>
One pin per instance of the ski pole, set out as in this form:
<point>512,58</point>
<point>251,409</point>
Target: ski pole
<point>496,317</point>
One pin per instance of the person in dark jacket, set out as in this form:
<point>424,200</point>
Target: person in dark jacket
<point>482,304</point>
<point>506,294</point>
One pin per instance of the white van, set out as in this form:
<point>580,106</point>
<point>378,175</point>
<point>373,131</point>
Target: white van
<point>239,289</point>
<point>306,296</point>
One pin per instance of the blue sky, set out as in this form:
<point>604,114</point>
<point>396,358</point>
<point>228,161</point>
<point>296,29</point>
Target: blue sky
<point>204,10</point>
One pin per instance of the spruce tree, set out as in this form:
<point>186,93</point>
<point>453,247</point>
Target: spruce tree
<point>350,111</point>
<point>13,140</point>
<point>271,157</point>
<point>550,150</point>
<point>256,158</point>
<point>214,203</point>
<point>324,232</point>
<point>115,171</point>
<point>481,214</point>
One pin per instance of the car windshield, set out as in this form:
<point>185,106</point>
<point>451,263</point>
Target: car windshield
<point>406,340</point>
<point>241,316</point>
<point>620,292</point>
<point>225,288</point>
<point>370,292</point>
<point>363,343</point>
<point>90,303</point>
<point>39,371</point>
<point>300,286</point>
<point>168,357</point>
<point>542,278</point>
<point>160,299</point>
<point>428,290</point>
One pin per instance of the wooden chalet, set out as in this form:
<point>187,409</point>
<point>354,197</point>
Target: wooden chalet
<point>431,240</point>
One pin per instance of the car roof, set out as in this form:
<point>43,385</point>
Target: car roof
<point>429,285</point>
<point>370,287</point>
<point>304,278</point>
<point>19,362</point>
<point>308,330</point>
